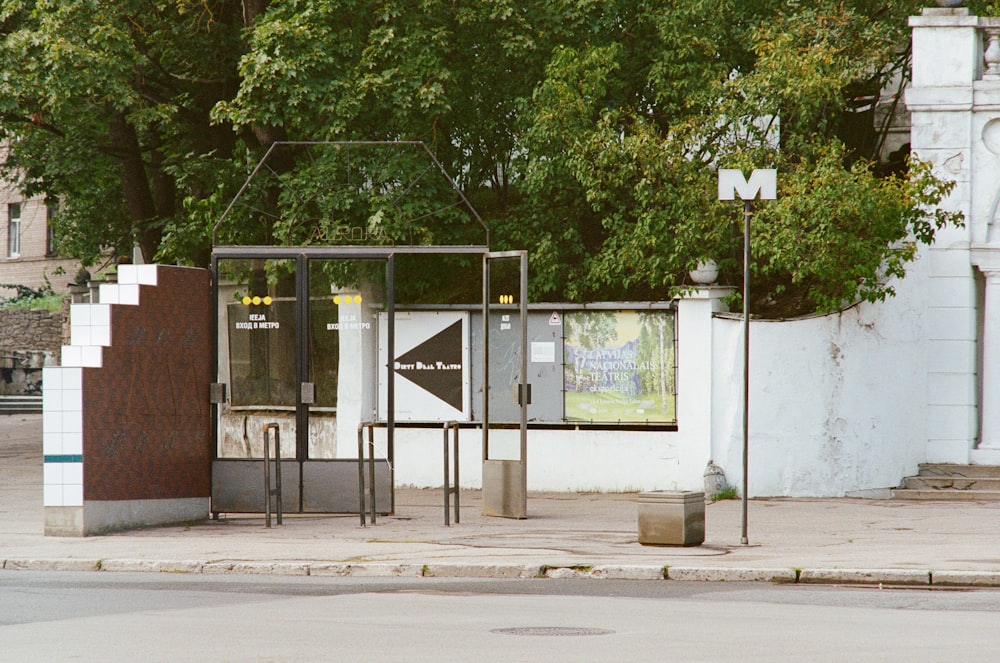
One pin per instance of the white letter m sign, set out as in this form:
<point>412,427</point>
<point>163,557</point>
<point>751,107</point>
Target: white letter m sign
<point>763,181</point>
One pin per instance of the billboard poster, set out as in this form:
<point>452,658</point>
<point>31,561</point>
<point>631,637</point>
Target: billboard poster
<point>619,366</point>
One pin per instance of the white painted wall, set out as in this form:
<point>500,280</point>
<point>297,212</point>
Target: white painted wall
<point>836,401</point>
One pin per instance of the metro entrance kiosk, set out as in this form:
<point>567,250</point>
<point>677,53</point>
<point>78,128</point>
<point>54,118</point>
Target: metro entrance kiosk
<point>332,485</point>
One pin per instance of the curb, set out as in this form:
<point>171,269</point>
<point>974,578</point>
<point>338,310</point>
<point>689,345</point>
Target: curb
<point>891,577</point>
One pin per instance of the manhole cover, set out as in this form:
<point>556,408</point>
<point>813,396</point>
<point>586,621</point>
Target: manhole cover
<point>551,630</point>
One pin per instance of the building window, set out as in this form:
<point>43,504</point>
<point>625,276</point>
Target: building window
<point>14,230</point>
<point>51,248</point>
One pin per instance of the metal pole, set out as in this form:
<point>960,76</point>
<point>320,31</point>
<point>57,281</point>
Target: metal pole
<point>447,484</point>
<point>747,213</point>
<point>486,359</point>
<point>361,472</point>
<point>524,381</point>
<point>301,368</point>
<point>390,389</point>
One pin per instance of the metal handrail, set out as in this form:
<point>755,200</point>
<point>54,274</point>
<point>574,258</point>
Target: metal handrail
<point>268,491</point>
<point>361,470</point>
<point>450,489</point>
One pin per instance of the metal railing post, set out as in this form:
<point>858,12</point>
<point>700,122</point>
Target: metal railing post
<point>451,488</point>
<point>361,472</point>
<point>371,470</point>
<point>268,491</point>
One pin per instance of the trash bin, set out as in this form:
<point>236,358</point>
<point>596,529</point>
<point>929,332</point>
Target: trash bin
<point>672,518</point>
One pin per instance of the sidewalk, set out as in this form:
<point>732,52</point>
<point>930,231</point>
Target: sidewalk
<point>565,535</point>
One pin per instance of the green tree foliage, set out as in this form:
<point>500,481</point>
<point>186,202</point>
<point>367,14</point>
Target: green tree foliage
<point>623,136</point>
<point>105,106</point>
<point>586,131</point>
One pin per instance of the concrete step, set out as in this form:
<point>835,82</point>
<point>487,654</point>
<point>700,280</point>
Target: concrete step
<point>951,483</point>
<point>954,470</point>
<point>952,495</point>
<point>20,404</point>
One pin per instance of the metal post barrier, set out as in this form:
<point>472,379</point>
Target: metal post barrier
<point>450,489</point>
<point>361,470</point>
<point>268,491</point>
<point>371,471</point>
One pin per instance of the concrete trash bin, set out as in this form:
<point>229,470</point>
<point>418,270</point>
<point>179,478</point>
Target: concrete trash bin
<point>672,518</point>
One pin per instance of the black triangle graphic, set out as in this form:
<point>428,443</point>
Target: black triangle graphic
<point>436,365</point>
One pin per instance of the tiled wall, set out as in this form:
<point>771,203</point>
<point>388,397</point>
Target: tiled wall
<point>126,415</point>
<point>62,437</point>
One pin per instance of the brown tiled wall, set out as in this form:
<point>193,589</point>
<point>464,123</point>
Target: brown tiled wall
<point>146,415</point>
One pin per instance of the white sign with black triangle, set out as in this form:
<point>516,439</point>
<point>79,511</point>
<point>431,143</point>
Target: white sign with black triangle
<point>431,366</point>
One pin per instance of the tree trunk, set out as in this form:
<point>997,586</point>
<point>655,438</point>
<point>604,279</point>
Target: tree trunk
<point>135,184</point>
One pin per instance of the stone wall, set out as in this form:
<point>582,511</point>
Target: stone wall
<point>29,340</point>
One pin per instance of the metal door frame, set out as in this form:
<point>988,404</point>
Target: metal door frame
<point>507,494</point>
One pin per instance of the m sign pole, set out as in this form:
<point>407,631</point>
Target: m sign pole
<point>763,183</point>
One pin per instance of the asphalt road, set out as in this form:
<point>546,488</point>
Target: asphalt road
<point>144,617</point>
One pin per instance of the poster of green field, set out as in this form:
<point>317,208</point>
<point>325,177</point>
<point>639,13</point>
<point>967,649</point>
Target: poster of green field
<point>619,366</point>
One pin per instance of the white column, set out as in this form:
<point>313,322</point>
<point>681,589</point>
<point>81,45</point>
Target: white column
<point>990,438</point>
<point>695,402</point>
<point>947,63</point>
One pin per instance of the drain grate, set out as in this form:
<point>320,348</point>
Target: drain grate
<point>551,630</point>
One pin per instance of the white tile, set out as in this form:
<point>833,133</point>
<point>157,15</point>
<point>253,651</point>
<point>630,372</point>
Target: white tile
<point>72,473</point>
<point>91,356</point>
<point>52,377</point>
<point>72,400</point>
<point>79,314</point>
<point>72,495</point>
<point>72,422</point>
<point>128,274</point>
<point>51,400</point>
<point>53,473</point>
<point>100,335</point>
<point>72,443</point>
<point>71,355</point>
<point>100,314</point>
<point>128,294</point>
<point>52,422</point>
<point>52,443</point>
<point>80,335</point>
<point>72,378</point>
<point>52,495</point>
<point>109,293</point>
<point>146,274</point>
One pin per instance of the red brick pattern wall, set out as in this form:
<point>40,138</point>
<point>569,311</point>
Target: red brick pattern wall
<point>146,412</point>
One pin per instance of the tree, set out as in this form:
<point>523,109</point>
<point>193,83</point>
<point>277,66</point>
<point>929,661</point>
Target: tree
<point>588,132</point>
<point>105,106</point>
<point>623,137</point>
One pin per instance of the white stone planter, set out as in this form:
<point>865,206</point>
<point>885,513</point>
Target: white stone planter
<point>672,518</point>
<point>705,273</point>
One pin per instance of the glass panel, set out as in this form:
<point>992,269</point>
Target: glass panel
<point>341,340</point>
<point>262,351</point>
<point>505,339</point>
<point>257,355</point>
